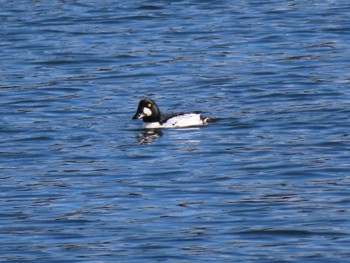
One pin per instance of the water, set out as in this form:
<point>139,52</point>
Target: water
<point>267,181</point>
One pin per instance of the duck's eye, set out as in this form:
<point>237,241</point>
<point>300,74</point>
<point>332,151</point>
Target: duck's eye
<point>149,105</point>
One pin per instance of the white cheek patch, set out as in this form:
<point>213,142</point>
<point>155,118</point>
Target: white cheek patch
<point>147,112</point>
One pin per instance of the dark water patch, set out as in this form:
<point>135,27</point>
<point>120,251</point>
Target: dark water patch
<point>289,232</point>
<point>150,7</point>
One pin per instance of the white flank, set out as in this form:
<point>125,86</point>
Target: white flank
<point>180,121</point>
<point>185,120</point>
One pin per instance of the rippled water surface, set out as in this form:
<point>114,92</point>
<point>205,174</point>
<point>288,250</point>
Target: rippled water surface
<point>266,181</point>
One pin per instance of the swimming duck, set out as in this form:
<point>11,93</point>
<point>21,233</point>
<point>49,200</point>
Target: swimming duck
<point>149,112</point>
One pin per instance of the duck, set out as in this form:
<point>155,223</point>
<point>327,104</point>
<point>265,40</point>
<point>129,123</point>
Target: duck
<point>149,112</point>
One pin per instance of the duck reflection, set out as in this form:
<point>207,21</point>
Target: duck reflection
<point>149,136</point>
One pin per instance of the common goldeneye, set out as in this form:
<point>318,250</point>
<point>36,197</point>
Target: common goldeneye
<point>149,112</point>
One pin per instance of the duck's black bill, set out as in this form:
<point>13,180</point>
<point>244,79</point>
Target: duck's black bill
<point>137,116</point>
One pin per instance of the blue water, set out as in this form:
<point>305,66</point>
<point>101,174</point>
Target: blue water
<point>266,181</point>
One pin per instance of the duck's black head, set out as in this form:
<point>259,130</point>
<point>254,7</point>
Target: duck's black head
<point>148,111</point>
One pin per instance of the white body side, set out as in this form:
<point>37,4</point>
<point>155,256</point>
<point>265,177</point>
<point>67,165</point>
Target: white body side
<point>185,120</point>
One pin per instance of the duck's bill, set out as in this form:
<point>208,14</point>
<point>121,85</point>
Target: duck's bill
<point>138,116</point>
